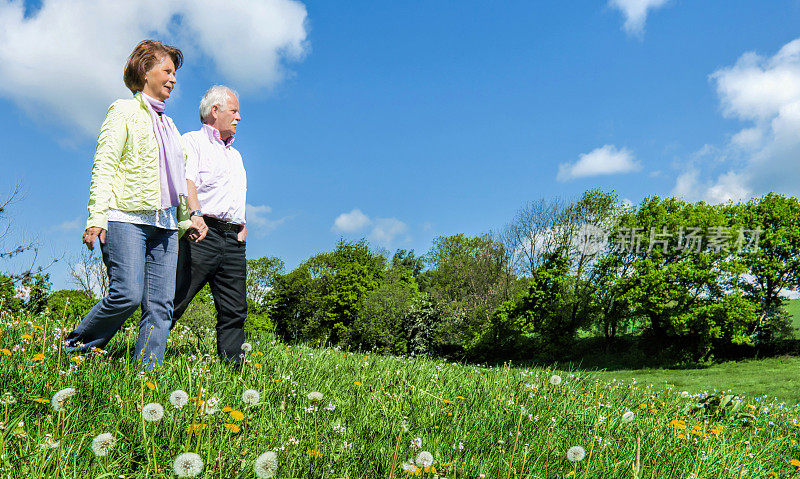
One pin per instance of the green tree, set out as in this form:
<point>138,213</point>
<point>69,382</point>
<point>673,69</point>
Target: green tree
<point>769,237</point>
<point>71,304</point>
<point>468,277</point>
<point>319,300</point>
<point>382,316</point>
<point>261,276</point>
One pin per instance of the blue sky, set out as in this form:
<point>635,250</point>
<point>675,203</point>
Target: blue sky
<point>429,118</point>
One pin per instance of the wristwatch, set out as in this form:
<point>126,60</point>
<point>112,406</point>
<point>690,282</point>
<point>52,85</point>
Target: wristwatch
<point>196,213</point>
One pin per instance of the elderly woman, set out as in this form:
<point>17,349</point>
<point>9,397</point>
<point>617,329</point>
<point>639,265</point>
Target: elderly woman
<point>138,185</point>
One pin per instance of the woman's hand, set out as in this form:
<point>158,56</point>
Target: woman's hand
<point>198,230</point>
<point>91,233</point>
<point>242,236</point>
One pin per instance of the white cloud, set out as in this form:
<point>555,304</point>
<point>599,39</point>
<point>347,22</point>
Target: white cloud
<point>257,221</point>
<point>65,60</point>
<point>386,230</point>
<point>764,93</point>
<point>635,13</point>
<point>686,184</point>
<point>71,225</point>
<point>351,222</point>
<point>605,160</point>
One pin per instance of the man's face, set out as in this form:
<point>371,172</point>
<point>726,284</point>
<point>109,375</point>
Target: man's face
<point>227,118</point>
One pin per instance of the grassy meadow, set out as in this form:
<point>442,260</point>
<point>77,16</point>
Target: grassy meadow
<point>377,416</point>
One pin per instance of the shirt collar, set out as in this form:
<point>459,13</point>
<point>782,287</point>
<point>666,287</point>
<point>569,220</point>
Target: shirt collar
<point>213,135</point>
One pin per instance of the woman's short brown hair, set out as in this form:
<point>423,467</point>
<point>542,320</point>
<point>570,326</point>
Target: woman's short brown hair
<point>146,55</point>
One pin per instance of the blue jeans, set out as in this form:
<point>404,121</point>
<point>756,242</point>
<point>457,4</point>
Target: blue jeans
<point>141,262</point>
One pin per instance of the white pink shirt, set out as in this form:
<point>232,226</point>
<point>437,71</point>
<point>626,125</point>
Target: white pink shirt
<point>217,171</point>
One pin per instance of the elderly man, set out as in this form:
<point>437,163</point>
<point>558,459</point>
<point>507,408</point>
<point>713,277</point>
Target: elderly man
<point>213,249</point>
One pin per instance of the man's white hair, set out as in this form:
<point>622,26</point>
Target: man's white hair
<point>216,95</point>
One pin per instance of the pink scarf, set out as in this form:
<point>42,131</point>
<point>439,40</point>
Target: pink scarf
<point>173,173</point>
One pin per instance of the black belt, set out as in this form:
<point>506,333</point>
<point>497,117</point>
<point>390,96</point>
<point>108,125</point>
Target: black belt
<point>221,225</point>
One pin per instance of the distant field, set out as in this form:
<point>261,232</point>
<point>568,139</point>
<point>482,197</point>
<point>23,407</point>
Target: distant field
<point>772,377</point>
<point>793,307</point>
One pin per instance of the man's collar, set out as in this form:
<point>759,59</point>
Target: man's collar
<point>214,136</point>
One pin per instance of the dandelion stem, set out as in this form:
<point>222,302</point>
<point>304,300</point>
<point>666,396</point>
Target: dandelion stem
<point>516,439</point>
<point>60,333</point>
<point>591,449</point>
<point>396,451</point>
<point>547,452</point>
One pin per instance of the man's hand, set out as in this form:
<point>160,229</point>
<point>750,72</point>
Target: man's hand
<point>242,236</point>
<point>198,230</point>
<point>90,234</point>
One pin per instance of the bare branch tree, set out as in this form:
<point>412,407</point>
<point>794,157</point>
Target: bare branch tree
<point>539,228</point>
<point>17,251</point>
<point>89,273</point>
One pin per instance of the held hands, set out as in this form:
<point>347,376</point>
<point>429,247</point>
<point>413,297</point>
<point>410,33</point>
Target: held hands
<point>198,230</point>
<point>90,234</point>
<point>242,236</point>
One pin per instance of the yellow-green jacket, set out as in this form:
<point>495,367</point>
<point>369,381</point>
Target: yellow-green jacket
<point>126,174</point>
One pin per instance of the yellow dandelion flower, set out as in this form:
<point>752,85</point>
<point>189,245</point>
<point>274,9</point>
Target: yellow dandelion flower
<point>643,406</point>
<point>681,436</point>
<point>150,385</point>
<point>447,464</point>
<point>460,397</point>
<point>237,415</point>
<point>357,383</point>
<point>26,336</point>
<point>195,427</point>
<point>314,453</point>
<point>234,428</point>
<point>77,359</point>
<point>678,424</point>
<point>257,365</point>
<point>36,326</point>
<point>447,401</point>
<point>654,410</point>
<point>37,357</point>
<point>227,409</point>
<point>795,463</point>
<point>258,353</point>
<point>773,474</point>
<point>5,351</point>
<point>42,400</point>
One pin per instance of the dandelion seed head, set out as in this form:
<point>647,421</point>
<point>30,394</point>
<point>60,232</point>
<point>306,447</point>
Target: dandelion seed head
<point>61,398</point>
<point>178,399</point>
<point>315,396</point>
<point>409,466</point>
<point>103,444</point>
<point>266,465</point>
<point>685,394</point>
<point>251,396</point>
<point>576,453</point>
<point>628,416</point>
<point>555,379</point>
<point>424,459</point>
<point>7,399</point>
<point>188,464</point>
<point>49,442</point>
<point>247,347</point>
<point>152,412</point>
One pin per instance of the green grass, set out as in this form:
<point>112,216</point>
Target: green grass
<point>475,421</point>
<point>778,377</point>
<point>793,308</point>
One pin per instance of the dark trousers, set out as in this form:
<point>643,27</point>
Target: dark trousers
<point>219,260</point>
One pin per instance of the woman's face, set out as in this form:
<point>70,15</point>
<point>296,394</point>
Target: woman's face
<point>160,80</point>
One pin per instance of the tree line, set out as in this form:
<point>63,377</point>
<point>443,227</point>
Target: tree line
<point>698,279</point>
